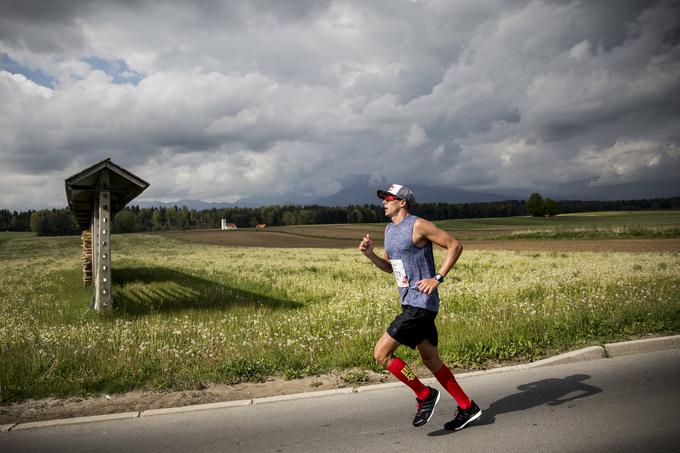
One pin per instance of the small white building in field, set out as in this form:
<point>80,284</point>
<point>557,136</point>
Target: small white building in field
<point>228,226</point>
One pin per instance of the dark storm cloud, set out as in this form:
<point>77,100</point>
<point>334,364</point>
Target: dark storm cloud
<point>42,12</point>
<point>43,26</point>
<point>292,11</point>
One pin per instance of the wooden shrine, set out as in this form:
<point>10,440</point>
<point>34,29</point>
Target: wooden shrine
<point>95,196</point>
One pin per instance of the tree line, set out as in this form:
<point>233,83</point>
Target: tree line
<point>135,219</point>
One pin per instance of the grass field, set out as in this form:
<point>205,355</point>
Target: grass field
<point>8,235</point>
<point>189,314</point>
<point>594,225</point>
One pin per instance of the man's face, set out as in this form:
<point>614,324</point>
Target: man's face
<point>392,205</point>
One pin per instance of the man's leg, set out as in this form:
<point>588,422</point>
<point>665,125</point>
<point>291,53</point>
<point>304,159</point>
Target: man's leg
<point>468,411</point>
<point>426,397</point>
<point>430,356</point>
<point>384,354</point>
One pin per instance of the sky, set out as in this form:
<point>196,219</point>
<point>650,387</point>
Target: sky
<point>220,100</point>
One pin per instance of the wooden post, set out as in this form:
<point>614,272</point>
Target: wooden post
<point>86,258</point>
<point>102,247</point>
<point>94,226</point>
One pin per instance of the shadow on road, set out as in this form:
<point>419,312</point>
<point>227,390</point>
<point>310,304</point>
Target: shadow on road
<point>553,392</point>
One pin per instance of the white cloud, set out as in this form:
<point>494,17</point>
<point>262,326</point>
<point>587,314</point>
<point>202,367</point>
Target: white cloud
<point>416,136</point>
<point>20,84</point>
<point>629,160</point>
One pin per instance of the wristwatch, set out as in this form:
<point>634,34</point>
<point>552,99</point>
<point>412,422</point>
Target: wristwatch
<point>438,277</point>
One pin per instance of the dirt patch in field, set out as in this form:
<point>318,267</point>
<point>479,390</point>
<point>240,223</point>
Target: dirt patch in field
<point>575,245</point>
<point>284,237</point>
<point>350,236</point>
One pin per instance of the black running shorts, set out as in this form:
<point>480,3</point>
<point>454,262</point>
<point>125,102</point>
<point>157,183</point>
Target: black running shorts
<point>414,325</point>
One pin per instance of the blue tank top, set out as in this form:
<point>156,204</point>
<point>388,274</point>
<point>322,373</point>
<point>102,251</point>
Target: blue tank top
<point>410,264</point>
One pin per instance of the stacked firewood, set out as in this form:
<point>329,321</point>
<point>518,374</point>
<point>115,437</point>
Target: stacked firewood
<point>86,259</point>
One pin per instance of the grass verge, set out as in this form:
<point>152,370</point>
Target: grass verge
<point>187,315</point>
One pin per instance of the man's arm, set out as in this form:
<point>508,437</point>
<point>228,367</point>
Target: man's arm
<point>366,247</point>
<point>425,230</point>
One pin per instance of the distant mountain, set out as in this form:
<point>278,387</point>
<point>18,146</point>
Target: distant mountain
<point>281,200</point>
<point>366,194</point>
<point>191,204</point>
<point>247,202</point>
<point>358,191</point>
<point>588,190</point>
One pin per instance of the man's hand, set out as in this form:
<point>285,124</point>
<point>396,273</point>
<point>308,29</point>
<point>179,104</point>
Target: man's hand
<point>366,246</point>
<point>428,285</point>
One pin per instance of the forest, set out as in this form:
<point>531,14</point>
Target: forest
<point>56,222</point>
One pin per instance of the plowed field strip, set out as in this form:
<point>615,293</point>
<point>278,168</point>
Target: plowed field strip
<point>595,245</point>
<point>288,239</point>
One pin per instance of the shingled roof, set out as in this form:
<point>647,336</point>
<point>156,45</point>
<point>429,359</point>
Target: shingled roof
<point>82,188</point>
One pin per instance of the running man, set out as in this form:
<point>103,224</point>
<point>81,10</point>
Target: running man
<point>409,256</point>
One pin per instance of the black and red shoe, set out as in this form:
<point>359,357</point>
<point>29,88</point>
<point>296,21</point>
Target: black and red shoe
<point>426,407</point>
<point>463,417</point>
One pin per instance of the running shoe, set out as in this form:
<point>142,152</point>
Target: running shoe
<point>426,407</point>
<point>463,417</point>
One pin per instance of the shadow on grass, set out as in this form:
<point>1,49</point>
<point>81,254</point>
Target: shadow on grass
<point>144,290</point>
<point>552,392</point>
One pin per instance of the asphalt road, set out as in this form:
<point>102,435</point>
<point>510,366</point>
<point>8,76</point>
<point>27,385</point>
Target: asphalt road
<point>623,404</point>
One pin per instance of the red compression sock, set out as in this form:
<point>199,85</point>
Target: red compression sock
<point>399,368</point>
<point>446,379</point>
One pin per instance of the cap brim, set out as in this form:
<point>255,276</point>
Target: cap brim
<point>381,194</point>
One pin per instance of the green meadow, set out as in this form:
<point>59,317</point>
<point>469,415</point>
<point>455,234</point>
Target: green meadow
<point>188,314</point>
<point>8,235</point>
<point>590,225</point>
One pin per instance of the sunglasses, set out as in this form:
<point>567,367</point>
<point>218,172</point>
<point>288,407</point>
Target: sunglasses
<point>391,198</point>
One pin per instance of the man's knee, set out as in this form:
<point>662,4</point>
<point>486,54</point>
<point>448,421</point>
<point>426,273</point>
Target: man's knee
<point>430,356</point>
<point>382,357</point>
<point>433,363</point>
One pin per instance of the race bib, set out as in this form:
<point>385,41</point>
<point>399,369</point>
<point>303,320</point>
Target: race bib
<point>399,273</point>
